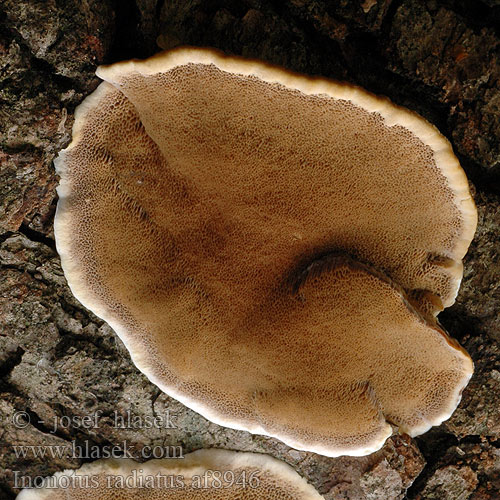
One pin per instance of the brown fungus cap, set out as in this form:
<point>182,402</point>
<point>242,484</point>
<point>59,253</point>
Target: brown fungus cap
<point>197,197</point>
<point>202,475</point>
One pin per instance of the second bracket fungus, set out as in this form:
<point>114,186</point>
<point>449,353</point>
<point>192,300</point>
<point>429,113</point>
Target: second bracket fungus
<point>202,475</point>
<point>272,248</point>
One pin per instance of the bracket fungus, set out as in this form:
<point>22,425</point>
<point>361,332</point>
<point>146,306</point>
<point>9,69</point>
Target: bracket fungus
<point>273,249</point>
<point>204,474</point>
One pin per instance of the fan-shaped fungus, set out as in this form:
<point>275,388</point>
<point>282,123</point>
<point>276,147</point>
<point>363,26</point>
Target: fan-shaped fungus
<point>199,193</point>
<point>201,475</point>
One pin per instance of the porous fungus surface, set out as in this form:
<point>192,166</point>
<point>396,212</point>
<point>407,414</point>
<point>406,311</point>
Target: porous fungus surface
<point>198,194</point>
<point>202,475</point>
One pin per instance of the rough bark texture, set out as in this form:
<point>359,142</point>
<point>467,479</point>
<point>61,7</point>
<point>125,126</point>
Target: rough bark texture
<point>440,58</point>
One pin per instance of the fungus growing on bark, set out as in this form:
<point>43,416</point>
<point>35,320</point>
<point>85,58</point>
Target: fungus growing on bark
<point>197,197</point>
<point>204,474</point>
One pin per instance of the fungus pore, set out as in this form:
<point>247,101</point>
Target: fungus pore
<point>272,248</point>
<point>201,475</point>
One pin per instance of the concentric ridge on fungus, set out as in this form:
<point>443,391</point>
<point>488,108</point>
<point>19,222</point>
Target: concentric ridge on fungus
<point>272,248</point>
